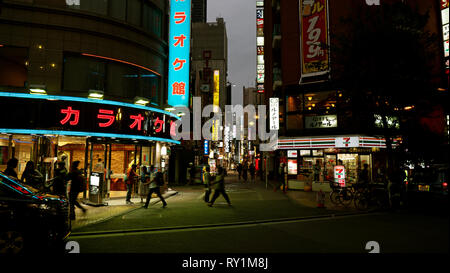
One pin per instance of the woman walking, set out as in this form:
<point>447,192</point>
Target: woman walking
<point>143,183</point>
<point>219,187</point>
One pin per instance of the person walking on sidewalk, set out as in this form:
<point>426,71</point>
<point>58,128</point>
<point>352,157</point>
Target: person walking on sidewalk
<point>219,187</point>
<point>155,182</point>
<point>207,182</point>
<point>131,181</point>
<point>281,178</point>
<point>244,170</point>
<point>239,170</point>
<point>77,185</point>
<point>143,185</point>
<point>252,172</point>
<point>60,180</point>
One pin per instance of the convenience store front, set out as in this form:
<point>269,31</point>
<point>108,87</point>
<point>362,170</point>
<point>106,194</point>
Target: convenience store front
<point>107,137</point>
<point>311,161</point>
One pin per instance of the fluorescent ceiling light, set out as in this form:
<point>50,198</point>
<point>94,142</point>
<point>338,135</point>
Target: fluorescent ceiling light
<point>141,101</point>
<point>38,89</point>
<point>95,94</point>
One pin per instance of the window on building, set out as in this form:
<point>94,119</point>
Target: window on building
<point>13,66</point>
<point>83,74</point>
<point>323,102</point>
<point>97,6</point>
<point>149,86</point>
<point>151,19</point>
<point>134,12</point>
<point>114,78</point>
<point>118,9</point>
<point>123,80</point>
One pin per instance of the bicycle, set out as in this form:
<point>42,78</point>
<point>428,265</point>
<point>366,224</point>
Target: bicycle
<point>341,195</point>
<point>372,197</point>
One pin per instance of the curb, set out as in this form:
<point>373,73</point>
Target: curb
<point>100,220</point>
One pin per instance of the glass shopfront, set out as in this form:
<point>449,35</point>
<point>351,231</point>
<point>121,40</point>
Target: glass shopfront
<point>318,165</point>
<point>110,157</point>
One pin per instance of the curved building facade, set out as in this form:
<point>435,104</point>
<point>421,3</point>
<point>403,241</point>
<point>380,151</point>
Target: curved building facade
<point>84,80</point>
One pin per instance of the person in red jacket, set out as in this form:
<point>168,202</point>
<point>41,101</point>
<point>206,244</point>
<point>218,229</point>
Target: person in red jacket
<point>131,180</point>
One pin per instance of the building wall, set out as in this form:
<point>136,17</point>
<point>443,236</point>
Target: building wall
<point>50,29</point>
<point>210,37</point>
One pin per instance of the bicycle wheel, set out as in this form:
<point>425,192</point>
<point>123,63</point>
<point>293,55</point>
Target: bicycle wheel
<point>334,197</point>
<point>345,197</point>
<point>362,202</point>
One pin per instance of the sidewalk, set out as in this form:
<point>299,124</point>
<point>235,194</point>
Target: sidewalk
<point>115,207</point>
<point>309,199</point>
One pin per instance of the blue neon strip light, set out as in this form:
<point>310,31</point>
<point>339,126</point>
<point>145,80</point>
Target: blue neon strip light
<point>84,134</point>
<point>79,99</point>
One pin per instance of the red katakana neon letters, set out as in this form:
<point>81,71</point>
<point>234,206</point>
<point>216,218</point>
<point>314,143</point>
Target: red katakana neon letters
<point>158,123</point>
<point>137,121</point>
<point>106,115</point>
<point>69,112</point>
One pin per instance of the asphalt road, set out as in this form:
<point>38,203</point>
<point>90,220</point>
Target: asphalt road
<point>260,221</point>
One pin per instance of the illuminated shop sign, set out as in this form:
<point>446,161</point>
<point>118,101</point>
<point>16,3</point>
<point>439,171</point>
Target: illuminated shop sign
<point>334,142</point>
<point>327,121</point>
<point>292,153</point>
<point>347,142</point>
<point>274,113</point>
<point>292,166</point>
<point>77,117</point>
<point>339,175</point>
<point>179,46</point>
<point>392,122</point>
<point>445,31</point>
<point>260,46</point>
<point>206,147</point>
<point>216,94</point>
<point>314,35</point>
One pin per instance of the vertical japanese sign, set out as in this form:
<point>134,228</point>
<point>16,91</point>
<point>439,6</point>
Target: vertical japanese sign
<point>206,147</point>
<point>274,114</point>
<point>216,104</point>
<point>314,37</point>
<point>445,31</point>
<point>216,93</point>
<point>260,46</point>
<point>179,47</point>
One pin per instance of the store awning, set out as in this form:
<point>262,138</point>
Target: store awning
<point>324,142</point>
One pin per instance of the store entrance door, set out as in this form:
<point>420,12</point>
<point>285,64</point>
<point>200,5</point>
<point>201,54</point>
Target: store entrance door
<point>98,156</point>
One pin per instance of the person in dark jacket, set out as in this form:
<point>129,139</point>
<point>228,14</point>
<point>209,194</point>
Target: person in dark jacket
<point>32,177</point>
<point>76,186</point>
<point>60,180</point>
<point>244,170</point>
<point>10,168</point>
<point>239,170</point>
<point>219,183</point>
<point>207,182</point>
<point>251,169</point>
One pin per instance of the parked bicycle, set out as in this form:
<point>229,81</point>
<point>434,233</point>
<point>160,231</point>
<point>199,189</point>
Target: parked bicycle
<point>341,195</point>
<point>374,196</point>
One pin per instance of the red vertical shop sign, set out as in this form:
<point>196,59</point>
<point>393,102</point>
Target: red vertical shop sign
<point>314,37</point>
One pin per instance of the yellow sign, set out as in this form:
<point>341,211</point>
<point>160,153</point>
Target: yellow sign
<point>216,100</point>
<point>216,94</point>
